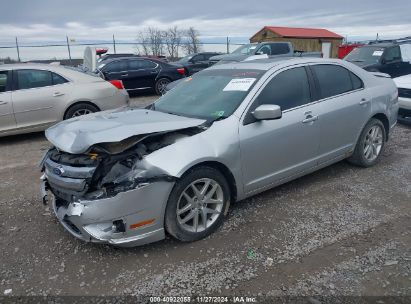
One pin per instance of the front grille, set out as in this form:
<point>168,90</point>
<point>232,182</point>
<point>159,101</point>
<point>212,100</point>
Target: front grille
<point>68,181</point>
<point>405,93</point>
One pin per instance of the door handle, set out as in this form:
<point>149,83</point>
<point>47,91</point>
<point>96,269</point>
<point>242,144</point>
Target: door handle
<point>3,103</point>
<point>153,72</point>
<point>364,101</point>
<point>124,75</point>
<point>310,118</point>
<point>57,94</point>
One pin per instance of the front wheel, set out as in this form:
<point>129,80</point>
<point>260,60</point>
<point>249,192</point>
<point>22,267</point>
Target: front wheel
<point>197,204</point>
<point>370,144</point>
<point>161,86</point>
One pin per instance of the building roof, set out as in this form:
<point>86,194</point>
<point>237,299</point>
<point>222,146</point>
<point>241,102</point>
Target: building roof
<point>299,32</point>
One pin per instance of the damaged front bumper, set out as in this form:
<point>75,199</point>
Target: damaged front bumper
<point>131,218</point>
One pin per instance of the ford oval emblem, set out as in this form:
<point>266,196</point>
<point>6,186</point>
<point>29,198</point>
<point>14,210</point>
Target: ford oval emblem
<point>58,171</point>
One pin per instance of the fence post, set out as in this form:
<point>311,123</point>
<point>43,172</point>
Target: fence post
<point>18,51</point>
<point>68,48</point>
<point>114,44</point>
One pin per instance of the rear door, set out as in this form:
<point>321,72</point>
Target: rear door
<point>273,150</point>
<point>7,120</point>
<point>344,109</point>
<point>36,96</point>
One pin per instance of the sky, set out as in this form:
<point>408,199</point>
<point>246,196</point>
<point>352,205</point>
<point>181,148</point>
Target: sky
<point>52,20</point>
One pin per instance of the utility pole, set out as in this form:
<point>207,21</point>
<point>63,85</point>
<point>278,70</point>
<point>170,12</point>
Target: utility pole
<point>68,48</point>
<point>18,50</point>
<point>114,44</point>
<point>228,46</point>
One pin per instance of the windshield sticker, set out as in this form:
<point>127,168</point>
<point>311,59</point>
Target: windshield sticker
<point>217,113</point>
<point>239,84</point>
<point>377,53</point>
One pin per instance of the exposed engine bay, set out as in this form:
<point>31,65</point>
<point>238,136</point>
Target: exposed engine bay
<point>108,168</point>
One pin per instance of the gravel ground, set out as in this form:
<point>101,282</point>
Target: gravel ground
<point>340,231</point>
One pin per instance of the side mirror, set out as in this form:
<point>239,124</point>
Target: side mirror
<point>383,61</point>
<point>267,112</point>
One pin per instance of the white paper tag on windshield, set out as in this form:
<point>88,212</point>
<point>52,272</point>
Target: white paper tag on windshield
<point>377,53</point>
<point>239,84</point>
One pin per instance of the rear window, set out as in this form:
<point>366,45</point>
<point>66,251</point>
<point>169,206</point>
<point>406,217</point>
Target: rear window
<point>57,79</point>
<point>335,80</point>
<point>29,79</point>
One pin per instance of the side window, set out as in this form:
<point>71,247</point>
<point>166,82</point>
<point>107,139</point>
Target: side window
<point>406,52</point>
<point>135,65</point>
<point>333,79</point>
<point>3,81</point>
<point>288,89</point>
<point>392,54</point>
<point>57,79</point>
<point>279,48</point>
<point>29,79</point>
<point>356,82</point>
<point>116,66</point>
<point>198,58</point>
<point>147,64</point>
<point>265,49</point>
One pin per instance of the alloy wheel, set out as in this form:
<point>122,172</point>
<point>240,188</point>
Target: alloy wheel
<point>82,112</point>
<point>373,143</point>
<point>200,205</point>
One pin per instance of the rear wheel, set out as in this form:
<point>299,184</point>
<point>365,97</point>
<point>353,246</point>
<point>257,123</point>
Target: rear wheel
<point>197,204</point>
<point>80,109</point>
<point>161,86</point>
<point>370,144</point>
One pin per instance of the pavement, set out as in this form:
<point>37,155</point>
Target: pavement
<point>341,231</point>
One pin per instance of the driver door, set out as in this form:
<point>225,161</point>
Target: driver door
<point>392,62</point>
<point>273,150</point>
<point>7,120</point>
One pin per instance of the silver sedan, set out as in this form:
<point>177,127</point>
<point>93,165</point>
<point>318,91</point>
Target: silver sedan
<point>129,177</point>
<point>35,96</point>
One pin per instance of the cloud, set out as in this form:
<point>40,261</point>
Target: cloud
<point>50,20</point>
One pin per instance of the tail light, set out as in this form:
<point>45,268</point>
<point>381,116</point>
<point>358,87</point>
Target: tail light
<point>117,83</point>
<point>181,71</point>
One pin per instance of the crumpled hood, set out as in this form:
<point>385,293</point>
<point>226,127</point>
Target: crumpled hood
<point>77,135</point>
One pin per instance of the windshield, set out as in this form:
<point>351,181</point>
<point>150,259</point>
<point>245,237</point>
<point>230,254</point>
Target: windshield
<point>210,95</point>
<point>369,54</point>
<point>185,59</point>
<point>245,49</point>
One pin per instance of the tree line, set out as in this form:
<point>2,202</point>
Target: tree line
<point>157,42</point>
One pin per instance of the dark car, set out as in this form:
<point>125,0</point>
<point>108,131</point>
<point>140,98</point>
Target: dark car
<point>196,62</point>
<point>139,73</point>
<point>112,56</point>
<point>389,58</point>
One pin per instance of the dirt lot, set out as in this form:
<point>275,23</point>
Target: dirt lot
<point>340,231</point>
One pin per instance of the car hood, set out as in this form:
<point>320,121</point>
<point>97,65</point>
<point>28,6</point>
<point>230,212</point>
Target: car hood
<point>229,57</point>
<point>77,135</point>
<point>403,81</point>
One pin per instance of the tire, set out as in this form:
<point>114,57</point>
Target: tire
<point>181,225</point>
<point>161,85</point>
<point>370,145</point>
<point>79,108</point>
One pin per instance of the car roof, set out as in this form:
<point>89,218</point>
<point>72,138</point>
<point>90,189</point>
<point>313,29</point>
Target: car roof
<point>382,44</point>
<point>267,64</point>
<point>69,72</point>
